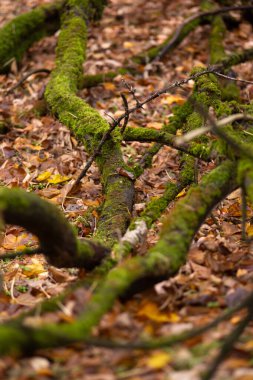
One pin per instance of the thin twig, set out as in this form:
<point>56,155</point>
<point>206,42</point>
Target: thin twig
<point>189,136</point>
<point>139,105</point>
<point>126,112</point>
<point>132,91</point>
<point>231,78</point>
<point>174,339</point>
<point>23,79</point>
<point>228,345</point>
<point>239,147</point>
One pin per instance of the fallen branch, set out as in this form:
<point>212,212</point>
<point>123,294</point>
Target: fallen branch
<point>56,236</point>
<point>20,33</point>
<point>158,53</point>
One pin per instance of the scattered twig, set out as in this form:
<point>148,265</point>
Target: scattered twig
<point>96,152</point>
<point>23,79</point>
<point>132,91</point>
<point>228,345</point>
<point>126,112</point>
<point>174,40</point>
<point>231,78</point>
<point>173,339</point>
<point>139,105</point>
<point>239,147</point>
<point>203,130</point>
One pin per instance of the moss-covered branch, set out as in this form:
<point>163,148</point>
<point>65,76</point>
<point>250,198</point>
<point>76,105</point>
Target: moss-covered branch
<point>86,123</point>
<point>176,38</point>
<point>20,33</point>
<point>163,260</point>
<point>56,236</point>
<point>151,135</point>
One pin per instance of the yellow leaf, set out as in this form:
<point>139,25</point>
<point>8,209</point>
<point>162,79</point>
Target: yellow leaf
<point>249,230</point>
<point>181,194</point>
<point>150,311</point>
<point>158,360</point>
<point>43,176</point>
<point>241,272</point>
<point>34,269</point>
<point>128,44</point>
<point>109,86</point>
<point>170,99</point>
<point>57,178</point>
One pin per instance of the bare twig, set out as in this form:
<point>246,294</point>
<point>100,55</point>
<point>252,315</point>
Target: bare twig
<point>23,79</point>
<point>132,91</point>
<point>245,150</point>
<point>177,338</point>
<point>231,78</point>
<point>139,105</point>
<point>228,345</point>
<point>203,130</point>
<point>96,152</point>
<point>126,112</point>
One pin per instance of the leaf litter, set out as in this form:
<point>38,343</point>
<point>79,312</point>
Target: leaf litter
<point>40,155</point>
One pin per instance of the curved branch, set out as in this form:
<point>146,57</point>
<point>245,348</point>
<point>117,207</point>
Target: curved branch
<point>163,260</point>
<point>151,135</point>
<point>57,239</point>
<point>87,124</point>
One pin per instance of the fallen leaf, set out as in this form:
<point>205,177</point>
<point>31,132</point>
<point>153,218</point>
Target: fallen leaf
<point>181,194</point>
<point>43,176</point>
<point>158,360</point>
<point>170,99</point>
<point>57,178</point>
<point>151,311</point>
<point>33,269</point>
<point>109,86</point>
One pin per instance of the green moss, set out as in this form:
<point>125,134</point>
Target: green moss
<point>20,33</point>
<point>87,124</point>
<point>180,114</point>
<point>237,58</point>
<point>180,226</point>
<point>230,91</point>
<point>217,52</point>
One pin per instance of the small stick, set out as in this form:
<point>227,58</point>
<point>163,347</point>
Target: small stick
<point>126,112</point>
<point>23,79</point>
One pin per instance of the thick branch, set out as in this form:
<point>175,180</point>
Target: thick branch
<point>157,53</point>
<point>151,135</point>
<point>87,124</point>
<point>162,261</point>
<point>19,34</point>
<point>57,239</point>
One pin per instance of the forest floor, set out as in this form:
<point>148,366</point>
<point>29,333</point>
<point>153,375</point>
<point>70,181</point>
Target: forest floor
<point>39,154</point>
